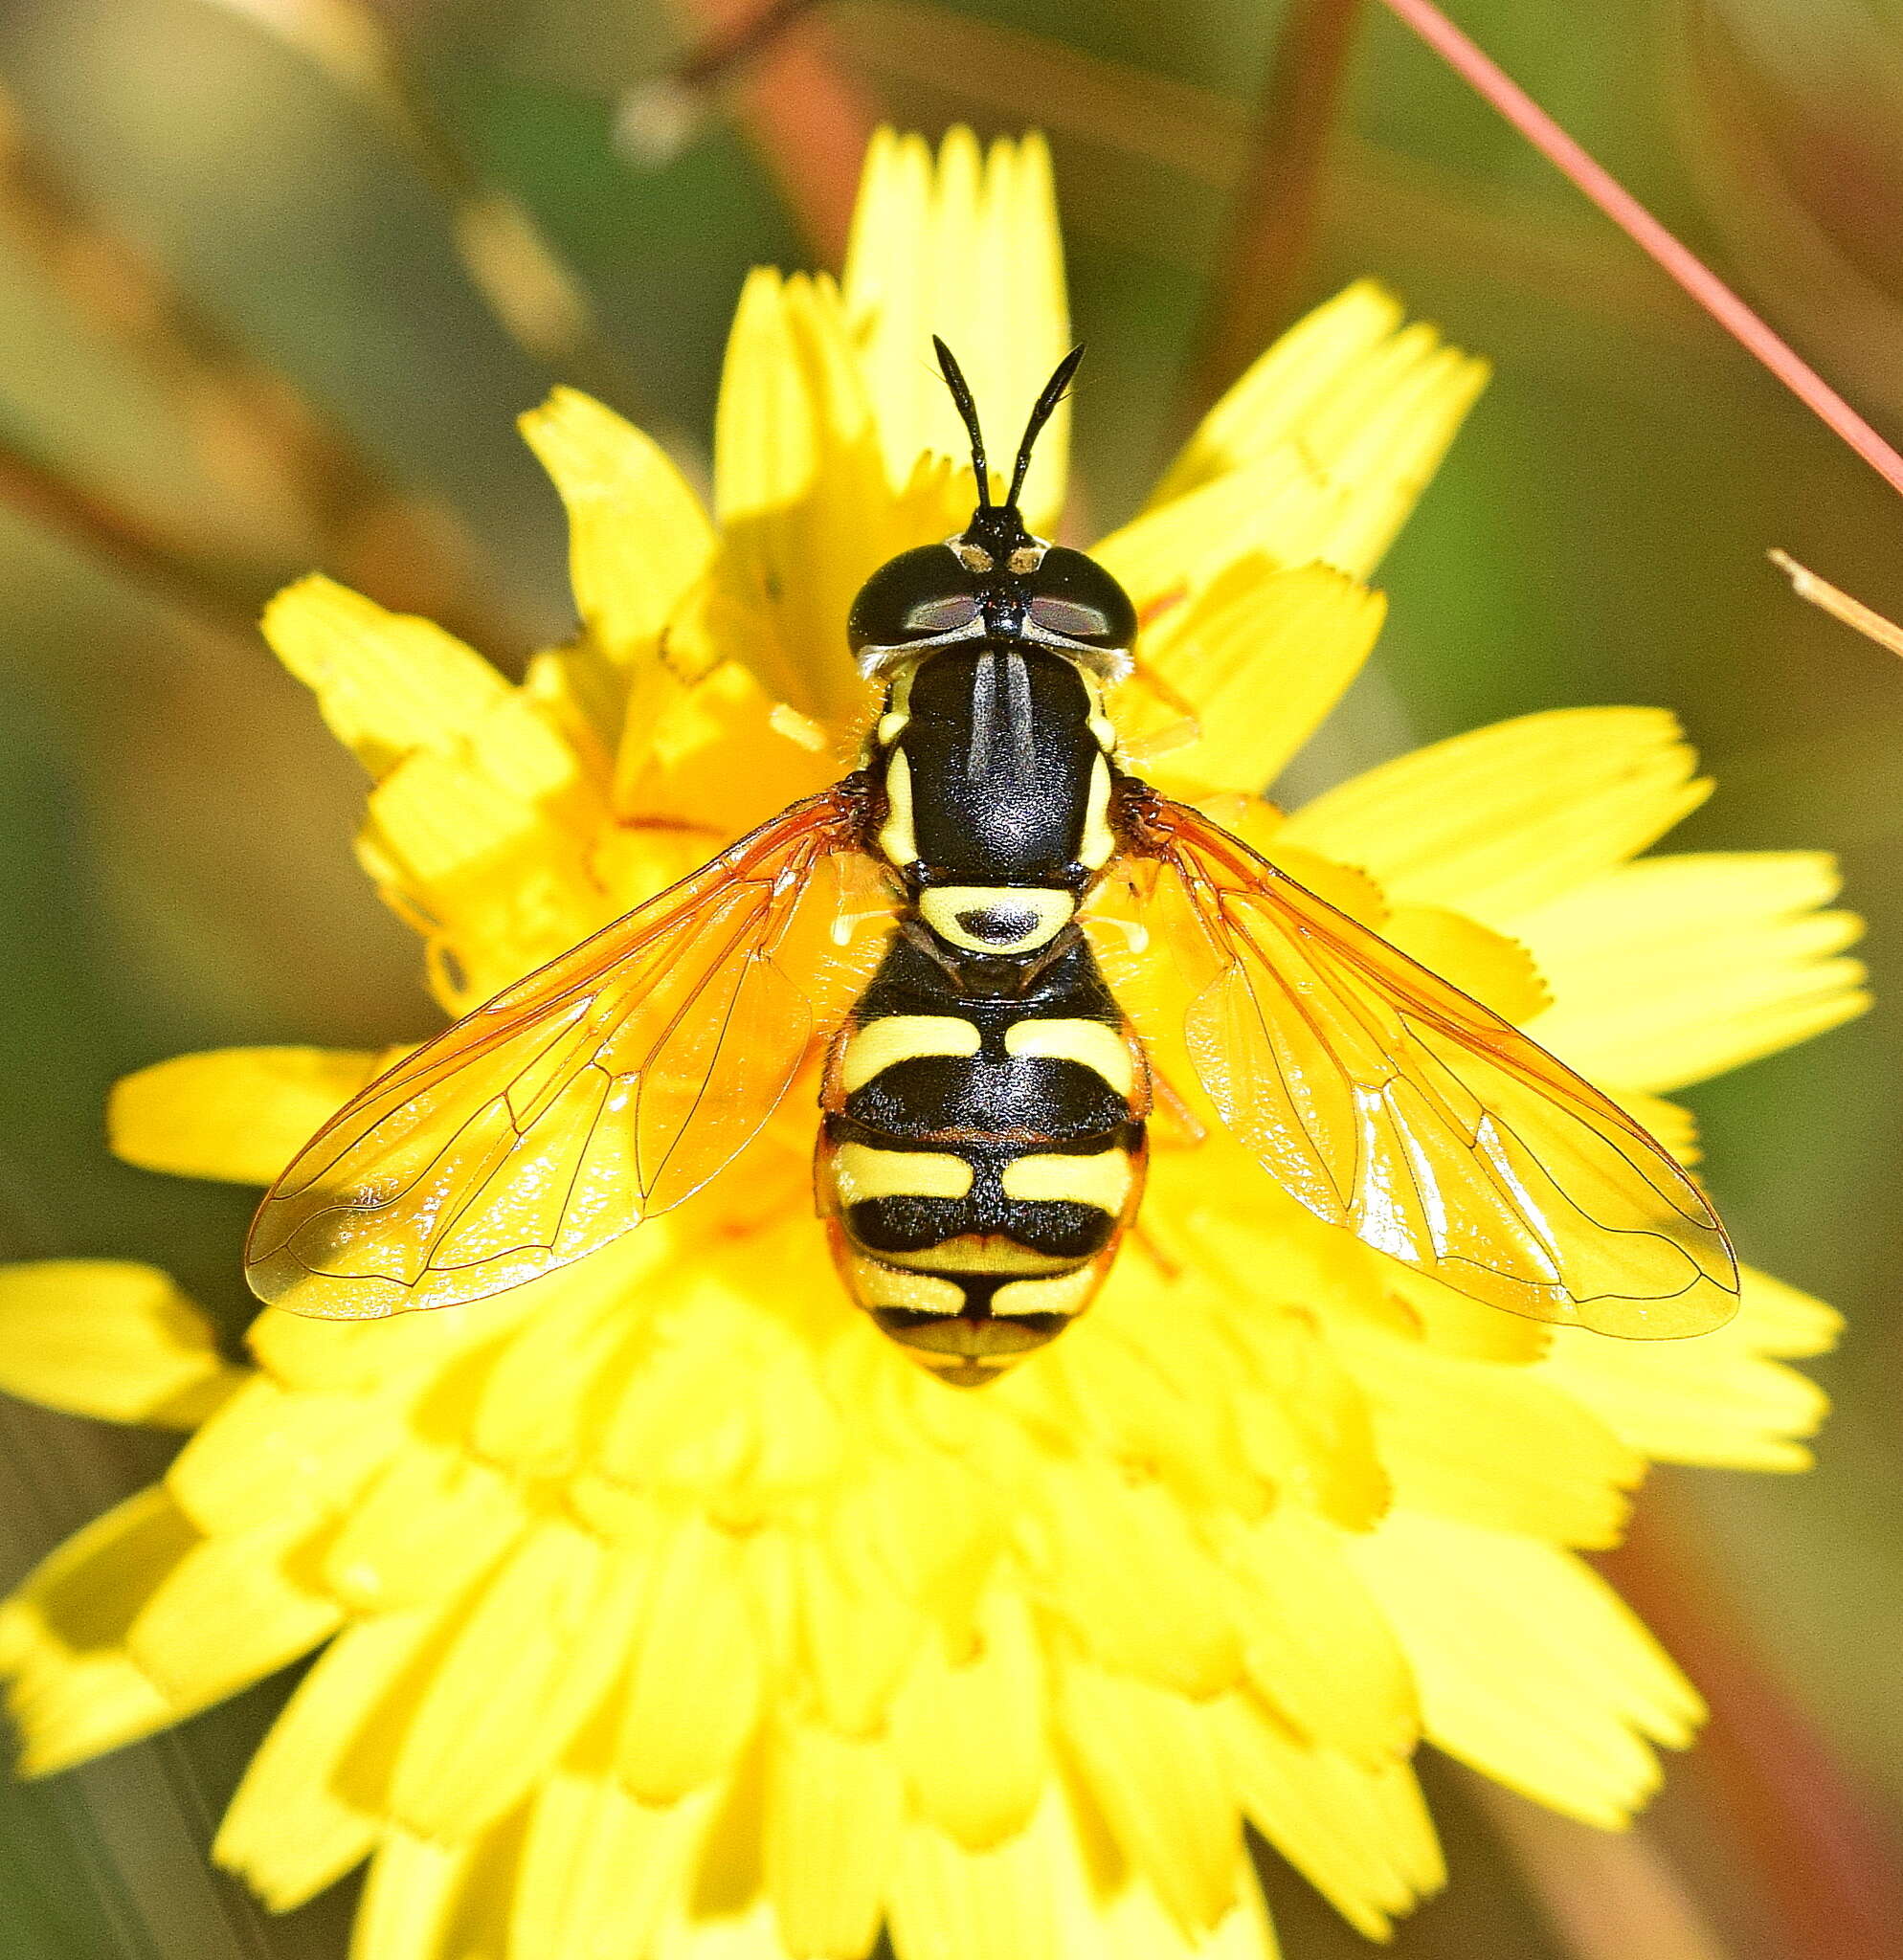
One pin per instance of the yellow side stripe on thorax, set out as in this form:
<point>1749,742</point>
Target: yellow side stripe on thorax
<point>1102,730</point>
<point>1098,842</point>
<point>1101,1179</point>
<point>902,1037</point>
<point>898,838</point>
<point>1097,1047</point>
<point>898,715</point>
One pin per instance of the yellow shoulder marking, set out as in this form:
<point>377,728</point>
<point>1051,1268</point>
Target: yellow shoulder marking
<point>1101,1049</point>
<point>1103,730</point>
<point>902,1037</point>
<point>898,839</point>
<point>1098,842</point>
<point>898,715</point>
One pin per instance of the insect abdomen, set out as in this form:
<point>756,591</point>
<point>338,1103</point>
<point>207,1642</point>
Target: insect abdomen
<point>980,1159</point>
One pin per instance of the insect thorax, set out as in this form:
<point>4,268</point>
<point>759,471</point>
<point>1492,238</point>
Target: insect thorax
<point>995,762</point>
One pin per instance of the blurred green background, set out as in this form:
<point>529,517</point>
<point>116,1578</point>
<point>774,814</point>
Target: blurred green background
<point>174,824</point>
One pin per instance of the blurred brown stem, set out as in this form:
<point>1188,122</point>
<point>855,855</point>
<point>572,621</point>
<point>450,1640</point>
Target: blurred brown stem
<point>312,493</point>
<point>1608,1895</point>
<point>1274,208</point>
<point>807,117</point>
<point>736,40</point>
<point>113,537</point>
<point>1807,1834</point>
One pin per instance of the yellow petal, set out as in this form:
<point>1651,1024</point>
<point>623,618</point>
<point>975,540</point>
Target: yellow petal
<point>1520,1457</point>
<point>1676,968</point>
<point>834,1812</point>
<point>503,886</point>
<point>238,1114</point>
<point>1380,440</point>
<point>533,1412</point>
<point>1531,1667</point>
<point>1500,820</point>
<point>1300,1416</point>
<point>482,842</point>
<point>1136,1927</point>
<point>1149,1760</point>
<point>272,1455</point>
<point>1373,409</point>
<point>752,1934</point>
<point>968,1729</point>
<point>703,763</point>
<point>291,1829</point>
<point>1262,655</point>
<point>429,1522</point>
<point>637,536</point>
<point>598,1869</point>
<point>951,1904</point>
<point>409,1898</point>
<point>806,513</point>
<point>695,1683</point>
<point>303,1353</point>
<point>1118,1392</point>
<point>428,1901</point>
<point>74,1692</point>
<point>725,1405</point>
<point>87,1591</point>
<point>109,1339</point>
<point>1272,400</point>
<point>1276,508</point>
<point>1140,1595</point>
<point>1432,1314</point>
<point>1720,1399</point>
<point>858,1637</point>
<point>1104,1908</point>
<point>968,249</point>
<point>1670,1123</point>
<point>70,1708</point>
<point>1358,1832</point>
<point>1318,1648</point>
<point>387,683</point>
<point>530,1665</point>
<point>1497,971</point>
<point>253,1588</point>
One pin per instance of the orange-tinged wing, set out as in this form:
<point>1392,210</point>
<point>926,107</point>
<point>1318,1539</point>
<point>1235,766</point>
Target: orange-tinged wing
<point>605,1089</point>
<point>1386,1101</point>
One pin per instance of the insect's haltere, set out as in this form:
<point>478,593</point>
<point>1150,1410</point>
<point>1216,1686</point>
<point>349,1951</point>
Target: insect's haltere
<point>983,1096</point>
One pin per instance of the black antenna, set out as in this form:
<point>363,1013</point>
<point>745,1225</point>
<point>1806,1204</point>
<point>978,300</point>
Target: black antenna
<point>1041,411</point>
<point>968,410</point>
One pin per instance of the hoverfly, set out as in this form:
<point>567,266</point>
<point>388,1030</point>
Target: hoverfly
<point>984,1097</point>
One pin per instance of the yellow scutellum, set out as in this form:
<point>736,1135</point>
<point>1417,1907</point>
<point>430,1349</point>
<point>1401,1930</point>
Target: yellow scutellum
<point>665,1608</point>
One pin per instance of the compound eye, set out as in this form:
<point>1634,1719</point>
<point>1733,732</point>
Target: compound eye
<point>1066,616</point>
<point>915,596</point>
<point>1073,596</point>
<point>941,615</point>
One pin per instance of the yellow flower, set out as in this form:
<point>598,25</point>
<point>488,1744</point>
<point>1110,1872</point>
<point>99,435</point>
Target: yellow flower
<point>666,1608</point>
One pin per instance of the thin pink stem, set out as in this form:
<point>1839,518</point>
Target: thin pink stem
<point>1645,232</point>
